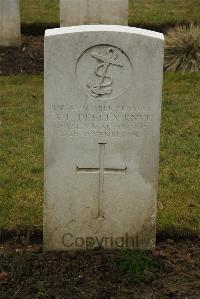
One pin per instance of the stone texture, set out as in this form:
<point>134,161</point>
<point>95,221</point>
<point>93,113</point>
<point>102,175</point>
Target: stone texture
<point>103,87</point>
<point>10,23</point>
<point>79,12</point>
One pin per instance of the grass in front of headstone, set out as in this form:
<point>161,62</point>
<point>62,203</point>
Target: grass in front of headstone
<point>21,153</point>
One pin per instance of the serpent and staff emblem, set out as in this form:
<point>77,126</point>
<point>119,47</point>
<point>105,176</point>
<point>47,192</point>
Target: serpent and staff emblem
<point>103,82</point>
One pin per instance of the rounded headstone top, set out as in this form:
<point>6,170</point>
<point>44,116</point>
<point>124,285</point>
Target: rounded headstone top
<point>106,28</point>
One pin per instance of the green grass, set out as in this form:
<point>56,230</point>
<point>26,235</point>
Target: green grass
<point>145,12</point>
<point>39,11</point>
<point>180,153</point>
<point>21,155</point>
<point>163,12</point>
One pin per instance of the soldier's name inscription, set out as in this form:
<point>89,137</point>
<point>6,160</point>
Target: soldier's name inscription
<point>101,120</point>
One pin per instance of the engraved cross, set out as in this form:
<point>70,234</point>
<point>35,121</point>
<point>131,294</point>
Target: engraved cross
<point>101,171</point>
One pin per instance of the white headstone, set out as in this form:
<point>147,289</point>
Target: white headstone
<point>79,12</point>
<point>10,23</point>
<point>103,87</point>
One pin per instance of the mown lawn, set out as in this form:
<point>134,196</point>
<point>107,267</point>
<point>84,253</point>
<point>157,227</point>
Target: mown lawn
<point>163,12</point>
<point>21,153</point>
<point>145,12</point>
<point>180,152</point>
<point>39,11</point>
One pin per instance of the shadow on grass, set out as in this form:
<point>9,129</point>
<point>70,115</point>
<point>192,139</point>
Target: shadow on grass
<point>39,28</point>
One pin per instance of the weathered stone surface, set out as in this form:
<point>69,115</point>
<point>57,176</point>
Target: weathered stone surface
<point>9,23</point>
<point>79,12</point>
<point>102,124</point>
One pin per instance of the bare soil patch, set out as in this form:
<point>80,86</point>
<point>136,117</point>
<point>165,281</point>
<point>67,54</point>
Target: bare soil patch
<point>90,274</point>
<point>28,59</point>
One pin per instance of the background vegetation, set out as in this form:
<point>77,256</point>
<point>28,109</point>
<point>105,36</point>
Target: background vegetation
<point>39,11</point>
<point>182,49</point>
<point>163,12</point>
<point>141,12</point>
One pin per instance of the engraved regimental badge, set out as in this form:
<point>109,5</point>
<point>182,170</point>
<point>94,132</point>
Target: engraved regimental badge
<point>104,72</point>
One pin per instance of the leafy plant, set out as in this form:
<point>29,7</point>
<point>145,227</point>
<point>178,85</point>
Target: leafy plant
<point>41,294</point>
<point>134,265</point>
<point>182,49</point>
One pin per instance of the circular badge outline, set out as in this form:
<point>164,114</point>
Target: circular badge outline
<point>85,90</point>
